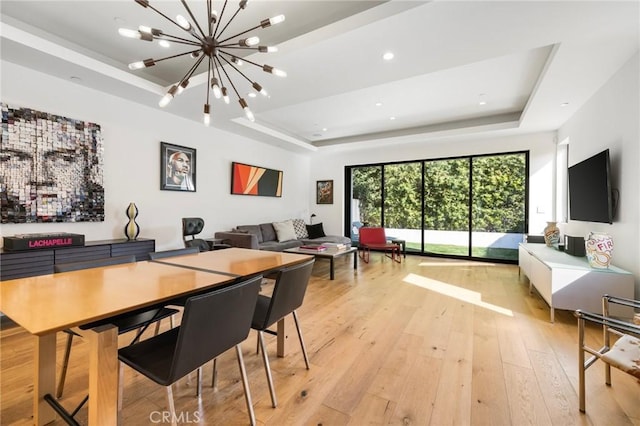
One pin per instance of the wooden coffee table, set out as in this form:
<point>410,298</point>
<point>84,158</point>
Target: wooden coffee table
<point>330,254</point>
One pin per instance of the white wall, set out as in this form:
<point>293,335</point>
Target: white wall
<point>132,135</point>
<point>610,119</point>
<point>329,163</point>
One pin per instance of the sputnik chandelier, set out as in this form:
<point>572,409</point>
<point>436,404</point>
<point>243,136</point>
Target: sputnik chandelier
<point>208,45</point>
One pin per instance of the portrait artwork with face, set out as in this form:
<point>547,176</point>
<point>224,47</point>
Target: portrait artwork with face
<point>178,165</point>
<point>51,168</point>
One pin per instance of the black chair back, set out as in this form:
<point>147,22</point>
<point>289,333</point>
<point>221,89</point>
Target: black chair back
<point>212,323</point>
<point>96,263</point>
<point>288,293</point>
<point>171,253</point>
<point>191,226</point>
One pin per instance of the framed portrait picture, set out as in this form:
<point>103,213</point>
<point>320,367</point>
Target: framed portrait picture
<point>177,168</point>
<point>324,192</point>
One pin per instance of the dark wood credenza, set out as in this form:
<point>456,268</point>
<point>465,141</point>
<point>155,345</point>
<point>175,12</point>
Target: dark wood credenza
<point>21,264</point>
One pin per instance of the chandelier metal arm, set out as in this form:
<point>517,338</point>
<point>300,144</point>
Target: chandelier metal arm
<point>189,73</point>
<point>237,70</point>
<point>165,17</point>
<point>178,40</point>
<point>176,56</point>
<point>241,33</point>
<point>195,21</point>
<point>229,78</point>
<point>230,21</point>
<point>209,16</point>
<point>208,79</point>
<point>215,31</point>
<point>242,59</point>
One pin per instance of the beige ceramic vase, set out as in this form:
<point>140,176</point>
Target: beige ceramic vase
<point>551,234</point>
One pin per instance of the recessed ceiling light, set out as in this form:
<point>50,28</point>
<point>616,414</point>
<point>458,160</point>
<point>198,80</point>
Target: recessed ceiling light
<point>251,95</point>
<point>388,56</point>
<point>392,118</point>
<point>564,104</point>
<point>164,43</point>
<point>324,129</point>
<point>378,103</point>
<point>482,99</point>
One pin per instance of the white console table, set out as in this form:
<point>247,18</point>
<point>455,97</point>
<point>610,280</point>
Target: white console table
<point>568,282</point>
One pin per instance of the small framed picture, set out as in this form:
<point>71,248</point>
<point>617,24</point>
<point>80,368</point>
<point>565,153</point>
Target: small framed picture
<point>177,168</point>
<point>324,192</point>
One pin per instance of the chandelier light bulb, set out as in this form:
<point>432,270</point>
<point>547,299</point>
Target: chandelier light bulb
<point>207,115</point>
<point>237,61</point>
<point>182,86</point>
<point>276,20</point>
<point>126,32</point>
<point>260,89</point>
<point>267,49</point>
<point>225,96</point>
<point>248,42</point>
<point>247,111</point>
<point>216,88</point>
<point>182,21</point>
<point>168,97</point>
<point>136,65</point>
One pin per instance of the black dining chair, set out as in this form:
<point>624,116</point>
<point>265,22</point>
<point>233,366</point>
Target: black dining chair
<point>191,226</point>
<point>287,296</point>
<point>212,323</point>
<point>138,320</point>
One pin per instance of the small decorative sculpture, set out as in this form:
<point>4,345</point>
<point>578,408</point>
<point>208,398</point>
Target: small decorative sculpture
<point>132,229</point>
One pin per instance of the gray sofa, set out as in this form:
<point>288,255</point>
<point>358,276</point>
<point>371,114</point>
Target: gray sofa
<point>265,237</point>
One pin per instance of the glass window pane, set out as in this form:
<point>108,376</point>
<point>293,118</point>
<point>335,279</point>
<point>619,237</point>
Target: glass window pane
<point>366,198</point>
<point>402,204</point>
<point>446,207</point>
<point>498,207</point>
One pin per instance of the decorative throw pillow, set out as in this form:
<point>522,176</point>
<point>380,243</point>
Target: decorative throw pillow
<point>300,228</point>
<point>284,231</point>
<point>316,231</point>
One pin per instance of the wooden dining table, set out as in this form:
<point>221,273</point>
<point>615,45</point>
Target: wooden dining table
<point>241,262</point>
<point>46,304</point>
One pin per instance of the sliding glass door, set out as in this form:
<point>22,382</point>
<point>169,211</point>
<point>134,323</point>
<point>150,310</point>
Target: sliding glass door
<point>472,207</point>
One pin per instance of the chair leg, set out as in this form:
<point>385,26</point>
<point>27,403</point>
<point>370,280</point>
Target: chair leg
<point>214,374</point>
<point>304,349</point>
<point>65,364</point>
<point>581,366</point>
<point>245,385</point>
<point>172,407</point>
<point>157,328</point>
<point>199,382</point>
<point>267,369</point>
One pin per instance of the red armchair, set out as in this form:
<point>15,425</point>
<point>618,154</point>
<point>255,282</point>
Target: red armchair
<point>375,238</point>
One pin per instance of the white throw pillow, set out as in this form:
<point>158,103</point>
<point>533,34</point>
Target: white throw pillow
<point>285,231</point>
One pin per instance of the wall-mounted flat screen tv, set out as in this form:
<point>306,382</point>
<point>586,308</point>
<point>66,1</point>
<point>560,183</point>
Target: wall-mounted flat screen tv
<point>590,197</point>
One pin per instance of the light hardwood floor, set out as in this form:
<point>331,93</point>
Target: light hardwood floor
<point>425,342</point>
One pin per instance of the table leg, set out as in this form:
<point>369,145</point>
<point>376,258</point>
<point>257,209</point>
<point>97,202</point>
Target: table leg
<point>332,274</point>
<point>283,338</point>
<point>103,375</point>
<point>355,259</point>
<point>45,378</point>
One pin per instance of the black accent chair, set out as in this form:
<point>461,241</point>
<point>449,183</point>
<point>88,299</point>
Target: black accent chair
<point>171,253</point>
<point>288,295</point>
<point>212,323</point>
<point>138,320</point>
<point>191,226</point>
